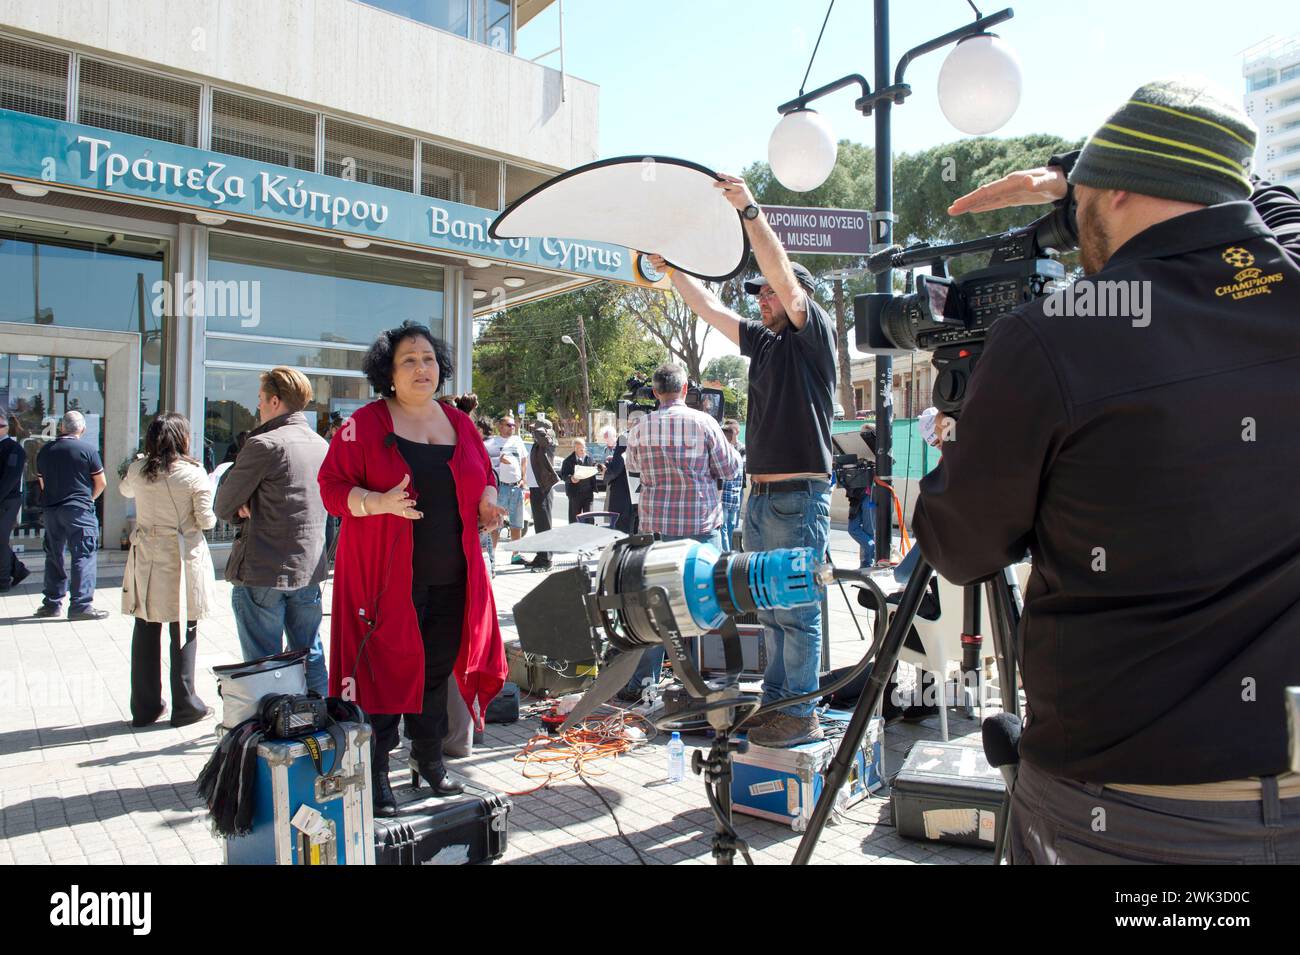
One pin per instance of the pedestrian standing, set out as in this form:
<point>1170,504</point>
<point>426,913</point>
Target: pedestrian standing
<point>13,463</point>
<point>71,476</point>
<point>168,558</point>
<point>278,561</point>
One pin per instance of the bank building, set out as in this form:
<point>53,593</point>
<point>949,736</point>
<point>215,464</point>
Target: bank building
<point>193,192</point>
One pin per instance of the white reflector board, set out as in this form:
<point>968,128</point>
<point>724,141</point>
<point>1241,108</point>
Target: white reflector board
<point>654,204</point>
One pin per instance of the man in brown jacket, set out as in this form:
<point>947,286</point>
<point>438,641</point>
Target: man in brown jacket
<point>278,560</point>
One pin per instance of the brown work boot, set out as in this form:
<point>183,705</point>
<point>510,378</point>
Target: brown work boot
<point>783,731</point>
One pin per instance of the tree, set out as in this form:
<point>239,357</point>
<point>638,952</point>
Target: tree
<point>726,367</point>
<point>670,323</point>
<point>518,356</point>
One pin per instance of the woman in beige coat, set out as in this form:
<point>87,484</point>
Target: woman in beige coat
<point>173,507</point>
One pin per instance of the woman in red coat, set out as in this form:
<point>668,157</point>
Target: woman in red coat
<point>412,482</point>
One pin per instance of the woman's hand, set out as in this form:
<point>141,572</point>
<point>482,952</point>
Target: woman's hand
<point>490,515</point>
<point>395,501</point>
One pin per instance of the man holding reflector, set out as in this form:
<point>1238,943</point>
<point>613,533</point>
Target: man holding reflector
<point>791,383</point>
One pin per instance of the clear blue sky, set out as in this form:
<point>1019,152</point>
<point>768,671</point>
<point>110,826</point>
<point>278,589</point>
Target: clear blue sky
<point>701,80</point>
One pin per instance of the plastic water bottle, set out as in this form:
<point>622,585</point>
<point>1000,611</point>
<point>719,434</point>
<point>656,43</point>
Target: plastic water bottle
<point>676,759</point>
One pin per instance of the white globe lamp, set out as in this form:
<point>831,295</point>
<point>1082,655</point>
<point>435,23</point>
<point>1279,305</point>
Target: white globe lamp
<point>979,84</point>
<point>802,150</point>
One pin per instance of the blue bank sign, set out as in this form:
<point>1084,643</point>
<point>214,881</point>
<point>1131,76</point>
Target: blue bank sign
<point>84,157</point>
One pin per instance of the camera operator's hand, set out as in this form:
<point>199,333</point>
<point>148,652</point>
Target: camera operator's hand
<point>1028,187</point>
<point>658,263</point>
<point>737,193</point>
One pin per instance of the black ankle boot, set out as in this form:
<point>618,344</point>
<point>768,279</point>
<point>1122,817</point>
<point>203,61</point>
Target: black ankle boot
<point>381,791</point>
<point>426,763</point>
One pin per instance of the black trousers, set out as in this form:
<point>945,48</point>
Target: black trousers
<point>8,559</point>
<point>541,507</point>
<point>441,612</point>
<point>146,672</point>
<point>579,504</point>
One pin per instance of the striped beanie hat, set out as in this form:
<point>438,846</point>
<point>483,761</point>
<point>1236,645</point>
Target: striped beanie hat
<point>1175,139</point>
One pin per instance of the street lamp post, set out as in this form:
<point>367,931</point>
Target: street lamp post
<point>978,92</point>
<point>581,345</point>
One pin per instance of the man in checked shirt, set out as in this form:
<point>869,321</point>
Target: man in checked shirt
<point>682,456</point>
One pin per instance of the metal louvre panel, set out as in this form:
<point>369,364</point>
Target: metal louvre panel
<point>143,104</point>
<point>33,80</point>
<point>519,180</point>
<point>459,177</point>
<point>266,132</point>
<point>368,155</point>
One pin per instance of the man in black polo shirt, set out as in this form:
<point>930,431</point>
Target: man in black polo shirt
<point>1144,450</point>
<point>788,439</point>
<point>71,477</point>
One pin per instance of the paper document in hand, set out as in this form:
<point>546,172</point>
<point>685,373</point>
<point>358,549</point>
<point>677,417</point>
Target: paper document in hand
<point>584,471</point>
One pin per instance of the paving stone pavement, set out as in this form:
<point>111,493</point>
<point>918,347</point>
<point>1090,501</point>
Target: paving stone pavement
<point>79,785</point>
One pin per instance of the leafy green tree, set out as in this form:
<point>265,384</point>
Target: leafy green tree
<point>518,354</point>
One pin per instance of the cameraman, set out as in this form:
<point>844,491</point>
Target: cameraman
<point>788,441</point>
<point>1129,453</point>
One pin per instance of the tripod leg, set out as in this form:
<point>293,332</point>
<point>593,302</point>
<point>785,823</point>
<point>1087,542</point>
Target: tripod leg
<point>1004,618</point>
<point>886,659</point>
<point>972,641</point>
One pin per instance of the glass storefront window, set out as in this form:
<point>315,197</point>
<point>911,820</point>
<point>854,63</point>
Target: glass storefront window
<point>37,390</point>
<point>483,21</point>
<point>320,295</point>
<point>82,278</point>
<point>257,352</point>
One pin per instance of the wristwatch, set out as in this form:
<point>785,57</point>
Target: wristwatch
<point>750,212</point>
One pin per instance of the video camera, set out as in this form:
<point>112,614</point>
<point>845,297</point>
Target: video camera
<point>641,399</point>
<point>951,317</point>
<point>854,462</point>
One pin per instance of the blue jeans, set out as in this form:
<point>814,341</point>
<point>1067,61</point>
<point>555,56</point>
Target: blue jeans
<point>862,528</point>
<point>511,497</point>
<point>77,528</point>
<point>794,637</point>
<point>264,614</point>
<point>652,659</point>
<point>730,521</point>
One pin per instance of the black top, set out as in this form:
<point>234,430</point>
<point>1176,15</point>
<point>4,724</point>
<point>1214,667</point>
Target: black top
<point>66,466</point>
<point>1148,461</point>
<point>13,461</point>
<point>791,395</point>
<point>583,489</point>
<point>439,557</point>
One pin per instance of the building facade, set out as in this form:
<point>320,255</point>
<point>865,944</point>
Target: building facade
<point>1272,72</point>
<point>193,192</point>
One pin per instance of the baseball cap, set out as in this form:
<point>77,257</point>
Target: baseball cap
<point>801,275</point>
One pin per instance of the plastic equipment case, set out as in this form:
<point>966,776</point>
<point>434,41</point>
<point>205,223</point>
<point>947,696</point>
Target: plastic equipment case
<point>455,830</point>
<point>947,792</point>
<point>785,784</point>
<point>535,675</point>
<point>301,817</point>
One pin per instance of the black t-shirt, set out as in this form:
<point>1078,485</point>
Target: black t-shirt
<point>791,395</point>
<point>66,466</point>
<point>438,557</point>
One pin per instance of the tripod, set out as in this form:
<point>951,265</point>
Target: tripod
<point>1004,617</point>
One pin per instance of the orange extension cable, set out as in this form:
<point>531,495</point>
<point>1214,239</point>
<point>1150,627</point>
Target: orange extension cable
<point>571,753</point>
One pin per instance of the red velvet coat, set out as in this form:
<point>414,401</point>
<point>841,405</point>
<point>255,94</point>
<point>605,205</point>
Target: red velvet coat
<point>372,572</point>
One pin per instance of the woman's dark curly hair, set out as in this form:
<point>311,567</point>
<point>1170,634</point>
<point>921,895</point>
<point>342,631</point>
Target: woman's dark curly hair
<point>378,363</point>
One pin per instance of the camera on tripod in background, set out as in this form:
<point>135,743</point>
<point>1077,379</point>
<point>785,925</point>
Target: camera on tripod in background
<point>640,399</point>
<point>951,316</point>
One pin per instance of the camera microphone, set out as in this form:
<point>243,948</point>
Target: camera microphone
<point>883,260</point>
